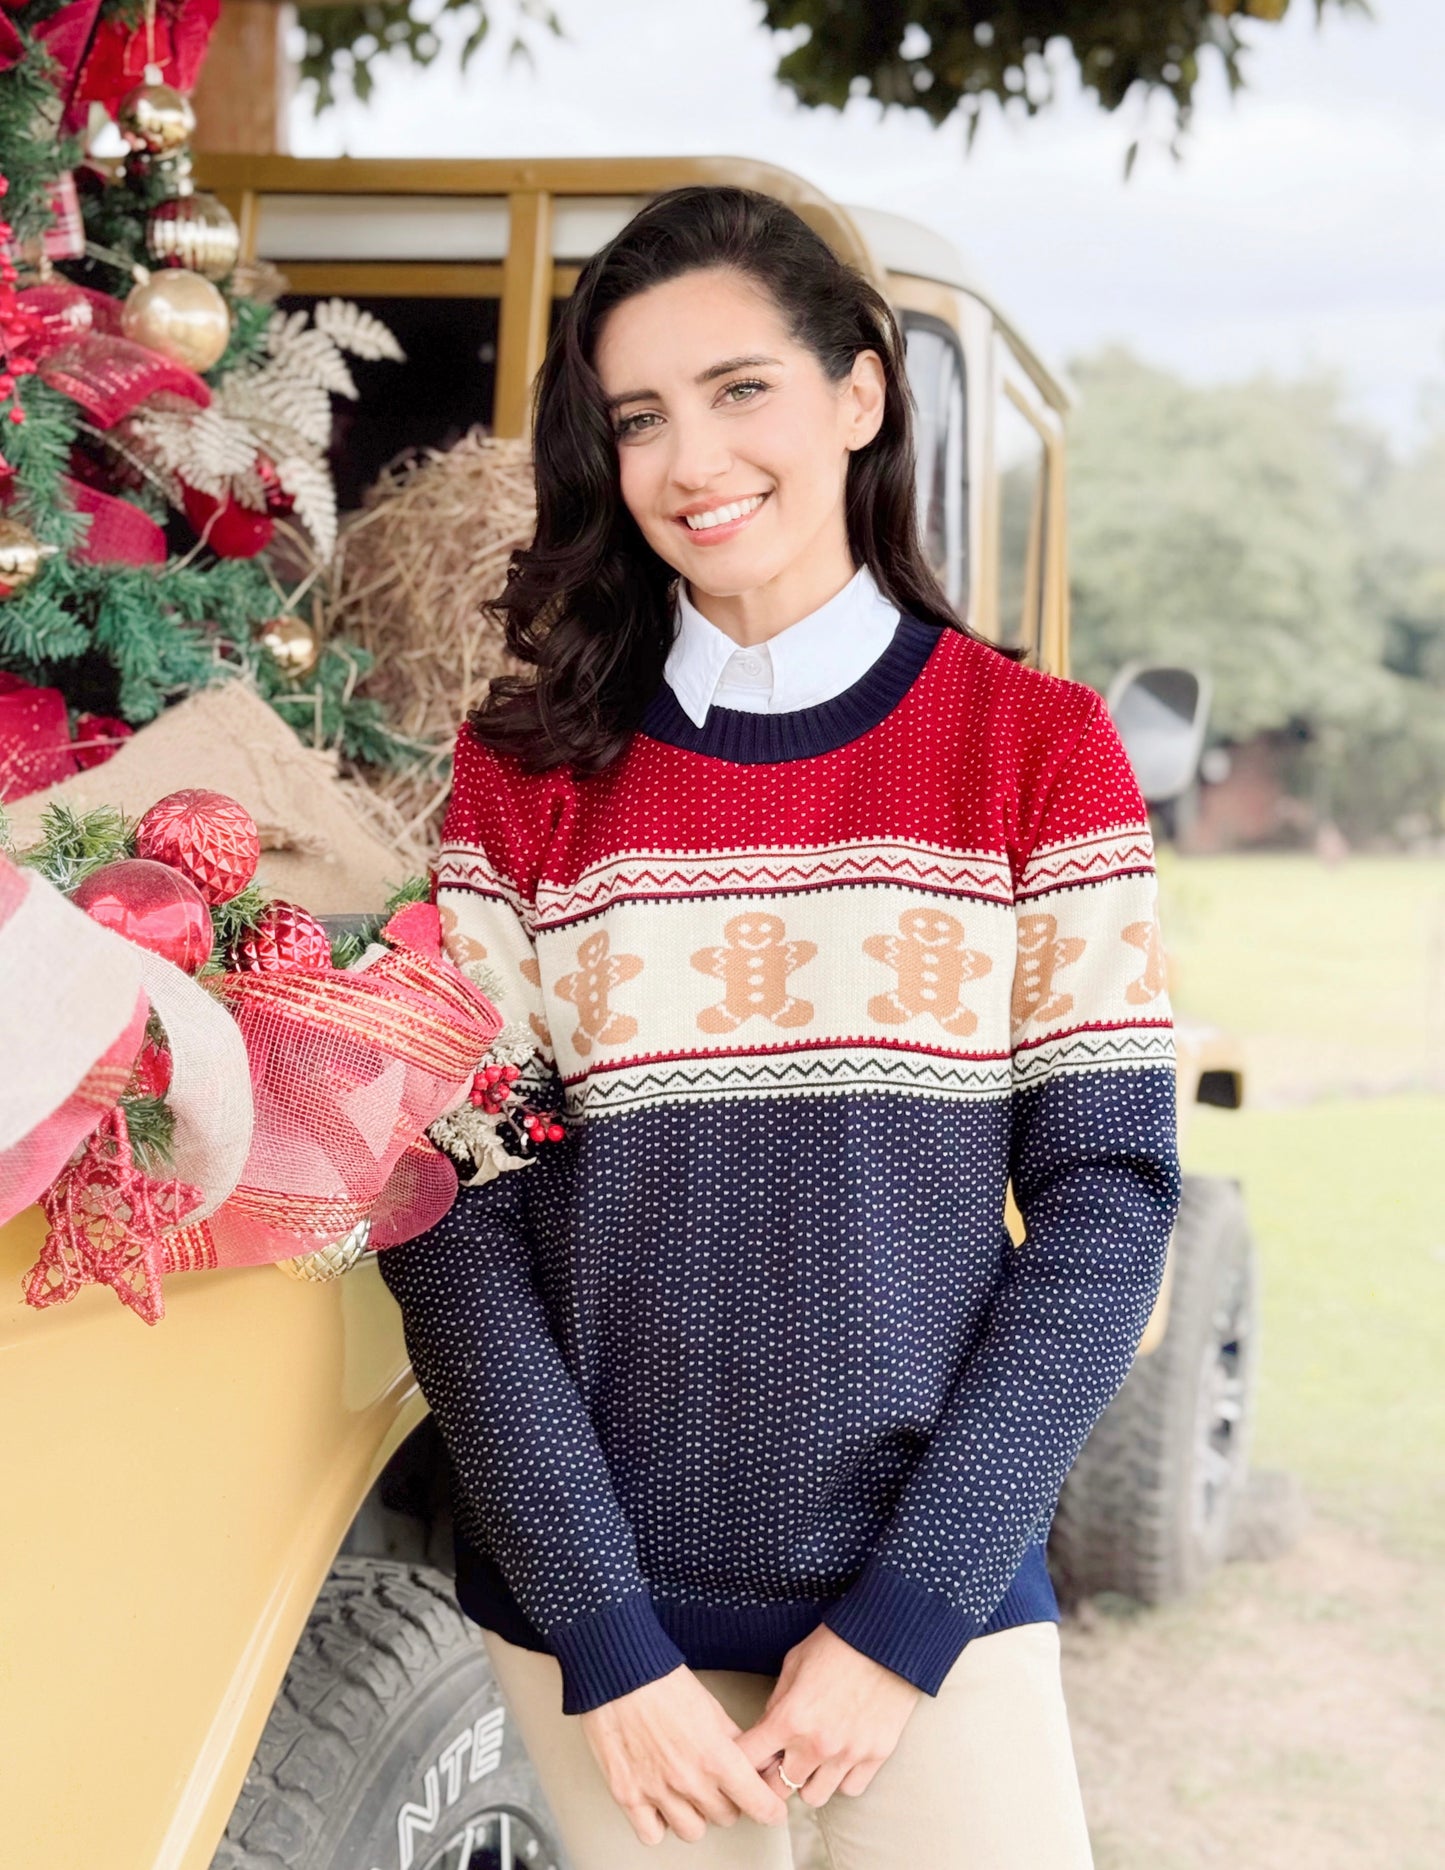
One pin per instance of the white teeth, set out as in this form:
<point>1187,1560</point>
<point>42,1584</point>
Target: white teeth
<point>699,522</point>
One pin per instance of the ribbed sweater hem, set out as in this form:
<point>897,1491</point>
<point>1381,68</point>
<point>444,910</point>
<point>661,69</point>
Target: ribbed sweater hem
<point>914,1632</point>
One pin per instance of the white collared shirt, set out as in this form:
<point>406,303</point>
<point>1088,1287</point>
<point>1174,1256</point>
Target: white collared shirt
<point>811,661</point>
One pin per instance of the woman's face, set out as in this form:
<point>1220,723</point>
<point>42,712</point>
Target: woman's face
<point>716,407</point>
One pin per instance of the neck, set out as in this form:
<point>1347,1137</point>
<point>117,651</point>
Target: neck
<point>752,617</point>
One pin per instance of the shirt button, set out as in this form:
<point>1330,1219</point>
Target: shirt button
<point>750,663</point>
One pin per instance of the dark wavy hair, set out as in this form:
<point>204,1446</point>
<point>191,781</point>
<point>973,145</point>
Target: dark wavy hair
<point>589,603</point>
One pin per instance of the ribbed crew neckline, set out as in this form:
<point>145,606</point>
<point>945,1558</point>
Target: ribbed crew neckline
<point>750,739</point>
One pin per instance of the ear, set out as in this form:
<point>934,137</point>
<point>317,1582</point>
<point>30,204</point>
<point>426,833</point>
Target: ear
<point>865,397</point>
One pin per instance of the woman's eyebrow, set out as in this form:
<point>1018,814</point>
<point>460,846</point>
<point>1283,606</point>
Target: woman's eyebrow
<point>703,376</point>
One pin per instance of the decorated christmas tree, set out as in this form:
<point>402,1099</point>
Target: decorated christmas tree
<point>166,505</point>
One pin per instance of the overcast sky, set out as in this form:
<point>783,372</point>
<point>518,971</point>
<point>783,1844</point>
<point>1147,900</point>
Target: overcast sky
<point>1302,227</point>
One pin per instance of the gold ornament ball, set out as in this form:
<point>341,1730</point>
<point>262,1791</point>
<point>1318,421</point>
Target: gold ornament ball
<point>194,231</point>
<point>291,644</point>
<point>179,314</point>
<point>21,556</point>
<point>157,118</point>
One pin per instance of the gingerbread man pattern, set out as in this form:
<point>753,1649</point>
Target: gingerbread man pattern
<point>1151,983</point>
<point>598,972</point>
<point>1041,953</point>
<point>932,963</point>
<point>531,972</point>
<point>754,963</point>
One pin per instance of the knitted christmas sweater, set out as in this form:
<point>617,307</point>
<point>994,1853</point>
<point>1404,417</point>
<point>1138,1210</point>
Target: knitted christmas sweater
<point>751,1347</point>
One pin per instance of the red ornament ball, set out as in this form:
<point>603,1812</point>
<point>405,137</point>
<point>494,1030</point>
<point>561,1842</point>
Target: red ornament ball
<point>153,906</point>
<point>287,936</point>
<point>228,528</point>
<point>207,836</point>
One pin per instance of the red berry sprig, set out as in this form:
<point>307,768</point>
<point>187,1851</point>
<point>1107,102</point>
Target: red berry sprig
<point>491,1088</point>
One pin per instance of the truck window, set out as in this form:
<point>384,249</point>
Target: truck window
<point>1021,467</point>
<point>936,376</point>
<point>447,384</point>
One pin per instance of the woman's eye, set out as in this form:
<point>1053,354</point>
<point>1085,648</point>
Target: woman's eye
<point>636,425</point>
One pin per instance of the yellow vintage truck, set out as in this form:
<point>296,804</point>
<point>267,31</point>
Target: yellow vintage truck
<point>227,1635</point>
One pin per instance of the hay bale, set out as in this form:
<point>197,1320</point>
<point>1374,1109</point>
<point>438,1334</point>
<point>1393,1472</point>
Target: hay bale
<point>412,567</point>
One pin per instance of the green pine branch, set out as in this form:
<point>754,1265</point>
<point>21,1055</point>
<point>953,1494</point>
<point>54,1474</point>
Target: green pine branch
<point>326,710</point>
<point>72,843</point>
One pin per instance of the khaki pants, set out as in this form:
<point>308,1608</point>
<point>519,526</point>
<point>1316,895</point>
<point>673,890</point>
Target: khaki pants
<point>983,1777</point>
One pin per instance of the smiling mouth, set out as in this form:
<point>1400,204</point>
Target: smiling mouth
<point>722,515</point>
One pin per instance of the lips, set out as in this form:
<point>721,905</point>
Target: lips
<point>725,529</point>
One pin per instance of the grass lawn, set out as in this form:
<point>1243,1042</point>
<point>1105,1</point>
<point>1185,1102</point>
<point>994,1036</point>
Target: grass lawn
<point>1333,978</point>
<point>1347,1198</point>
<point>1333,975</point>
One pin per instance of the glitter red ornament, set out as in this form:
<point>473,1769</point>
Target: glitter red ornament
<point>207,836</point>
<point>285,937</point>
<point>153,906</point>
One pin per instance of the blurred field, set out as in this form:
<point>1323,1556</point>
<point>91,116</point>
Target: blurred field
<point>1294,1711</point>
<point>1348,1204</point>
<point>1334,980</point>
<point>1333,976</point>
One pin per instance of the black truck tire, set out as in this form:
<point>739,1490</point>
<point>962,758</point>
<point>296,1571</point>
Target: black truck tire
<point>1146,1510</point>
<point>389,1746</point>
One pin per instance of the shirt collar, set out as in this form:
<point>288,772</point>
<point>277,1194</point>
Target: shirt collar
<point>812,660</point>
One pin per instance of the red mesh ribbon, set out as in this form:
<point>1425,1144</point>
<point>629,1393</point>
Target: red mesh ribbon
<point>348,1069</point>
<point>110,377</point>
<point>119,532</point>
<point>62,311</point>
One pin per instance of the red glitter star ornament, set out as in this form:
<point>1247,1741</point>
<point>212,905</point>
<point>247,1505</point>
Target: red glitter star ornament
<point>106,1220</point>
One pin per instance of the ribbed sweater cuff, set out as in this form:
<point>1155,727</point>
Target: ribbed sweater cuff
<point>915,1632</point>
<point>611,1651</point>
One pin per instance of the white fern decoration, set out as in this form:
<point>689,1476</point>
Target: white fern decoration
<point>283,411</point>
<point>309,356</point>
<point>356,331</point>
<point>280,407</point>
<point>311,486</point>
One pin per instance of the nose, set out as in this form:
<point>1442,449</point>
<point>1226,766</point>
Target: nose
<point>699,457</point>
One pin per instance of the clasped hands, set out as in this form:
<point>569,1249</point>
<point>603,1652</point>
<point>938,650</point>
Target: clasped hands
<point>675,1760</point>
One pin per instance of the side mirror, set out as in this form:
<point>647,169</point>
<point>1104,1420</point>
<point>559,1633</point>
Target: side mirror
<point>1162,714</point>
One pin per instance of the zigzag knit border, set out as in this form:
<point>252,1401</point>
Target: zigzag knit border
<point>1084,1050</point>
<point>780,870</point>
<point>636,1087</point>
<point>1087,860</point>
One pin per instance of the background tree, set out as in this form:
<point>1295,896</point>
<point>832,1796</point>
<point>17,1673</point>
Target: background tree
<point>938,56</point>
<point>1254,530</point>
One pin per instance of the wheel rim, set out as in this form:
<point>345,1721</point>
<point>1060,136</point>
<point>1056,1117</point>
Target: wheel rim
<point>498,1839</point>
<point>1220,1411</point>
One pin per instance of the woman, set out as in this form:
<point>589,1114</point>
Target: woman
<point>817,918</point>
